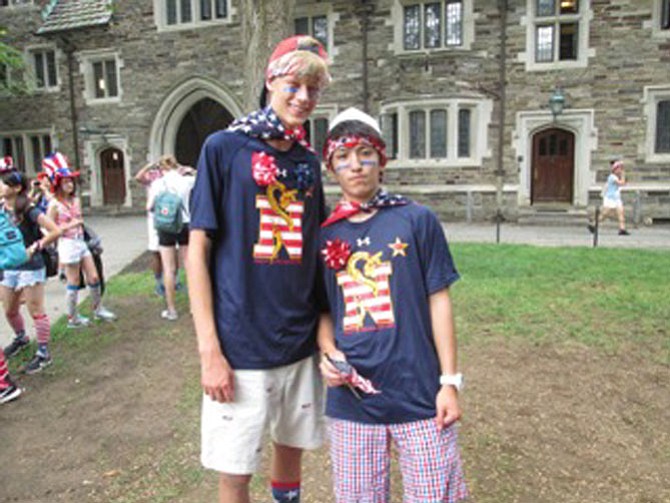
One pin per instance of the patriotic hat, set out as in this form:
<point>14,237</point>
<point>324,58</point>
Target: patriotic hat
<point>56,166</point>
<point>6,164</point>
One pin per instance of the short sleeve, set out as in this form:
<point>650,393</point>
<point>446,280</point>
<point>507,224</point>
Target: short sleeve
<point>209,186</point>
<point>437,263</point>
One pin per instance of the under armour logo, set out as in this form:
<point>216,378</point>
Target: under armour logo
<point>282,173</point>
<point>365,241</point>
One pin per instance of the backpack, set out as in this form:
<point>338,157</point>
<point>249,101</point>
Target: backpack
<point>167,212</point>
<point>12,250</point>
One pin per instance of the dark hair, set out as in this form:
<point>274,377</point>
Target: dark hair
<point>354,128</point>
<point>57,185</point>
<point>22,203</point>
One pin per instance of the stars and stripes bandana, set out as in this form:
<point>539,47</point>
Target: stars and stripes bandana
<point>381,199</point>
<point>266,125</point>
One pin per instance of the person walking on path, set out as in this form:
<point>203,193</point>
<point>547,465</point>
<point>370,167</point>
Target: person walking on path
<point>253,257</point>
<point>612,202</point>
<point>172,182</point>
<point>27,281</point>
<point>388,343</point>
<point>73,252</point>
<point>146,176</point>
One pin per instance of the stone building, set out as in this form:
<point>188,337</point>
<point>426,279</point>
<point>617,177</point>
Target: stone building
<point>518,104</point>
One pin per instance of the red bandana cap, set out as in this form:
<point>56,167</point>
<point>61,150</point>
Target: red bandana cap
<point>617,164</point>
<point>354,115</point>
<point>278,64</point>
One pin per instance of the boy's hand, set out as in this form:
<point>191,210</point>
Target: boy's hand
<point>217,377</point>
<point>331,375</point>
<point>448,410</point>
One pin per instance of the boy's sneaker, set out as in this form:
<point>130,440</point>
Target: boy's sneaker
<point>78,321</point>
<point>169,315</point>
<point>159,289</point>
<point>11,392</point>
<point>16,345</point>
<point>37,364</point>
<point>623,232</point>
<point>104,314</point>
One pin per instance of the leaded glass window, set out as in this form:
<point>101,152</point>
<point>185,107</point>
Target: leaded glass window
<point>438,134</point>
<point>417,134</point>
<point>464,115</point>
<point>663,127</point>
<point>412,24</point>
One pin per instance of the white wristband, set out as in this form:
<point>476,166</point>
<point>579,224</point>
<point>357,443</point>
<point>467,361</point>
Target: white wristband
<point>455,380</point>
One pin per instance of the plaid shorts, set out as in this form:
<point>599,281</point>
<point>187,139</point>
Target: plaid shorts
<point>430,462</point>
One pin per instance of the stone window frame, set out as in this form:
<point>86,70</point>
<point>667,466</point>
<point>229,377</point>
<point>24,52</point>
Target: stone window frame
<point>160,17</point>
<point>86,62</point>
<point>657,18</point>
<point>651,96</point>
<point>397,20</point>
<point>584,51</point>
<point>22,141</point>
<point>327,112</point>
<point>313,10</point>
<point>29,58</point>
<point>480,119</point>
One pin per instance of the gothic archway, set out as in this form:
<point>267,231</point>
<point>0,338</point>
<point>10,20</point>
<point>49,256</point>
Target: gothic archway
<point>203,118</point>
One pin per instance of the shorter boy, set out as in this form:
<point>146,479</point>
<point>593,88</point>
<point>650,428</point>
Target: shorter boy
<point>390,334</point>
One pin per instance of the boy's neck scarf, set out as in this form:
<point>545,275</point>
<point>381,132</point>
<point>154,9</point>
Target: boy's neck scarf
<point>381,199</point>
<point>266,125</point>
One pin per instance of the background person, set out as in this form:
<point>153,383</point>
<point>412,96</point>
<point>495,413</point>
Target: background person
<point>612,202</point>
<point>73,252</point>
<point>26,282</point>
<point>169,243</point>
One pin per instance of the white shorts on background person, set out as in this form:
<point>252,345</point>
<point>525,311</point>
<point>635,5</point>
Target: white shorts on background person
<point>71,251</point>
<point>288,399</point>
<point>612,202</point>
<point>152,233</point>
<point>16,280</point>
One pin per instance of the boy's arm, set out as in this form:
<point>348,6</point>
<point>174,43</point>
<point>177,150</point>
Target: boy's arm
<point>325,338</point>
<point>217,377</point>
<point>444,336</point>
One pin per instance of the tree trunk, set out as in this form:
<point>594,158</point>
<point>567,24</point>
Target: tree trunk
<point>264,24</point>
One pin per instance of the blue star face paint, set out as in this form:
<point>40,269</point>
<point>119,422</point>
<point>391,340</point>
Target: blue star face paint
<point>342,166</point>
<point>290,89</point>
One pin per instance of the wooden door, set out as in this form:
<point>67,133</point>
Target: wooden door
<point>113,176</point>
<point>553,166</point>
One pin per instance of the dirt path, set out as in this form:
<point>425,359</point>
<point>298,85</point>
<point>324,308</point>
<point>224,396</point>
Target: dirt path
<point>117,421</point>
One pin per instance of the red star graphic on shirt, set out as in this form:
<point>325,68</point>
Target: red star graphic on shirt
<point>398,247</point>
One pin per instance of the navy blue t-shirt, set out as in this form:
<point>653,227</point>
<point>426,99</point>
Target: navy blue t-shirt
<point>380,307</point>
<point>264,255</point>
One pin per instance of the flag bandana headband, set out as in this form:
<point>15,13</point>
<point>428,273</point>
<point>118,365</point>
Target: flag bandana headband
<point>381,199</point>
<point>265,125</point>
<point>350,142</point>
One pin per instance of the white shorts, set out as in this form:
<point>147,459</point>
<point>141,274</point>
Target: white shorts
<point>152,234</point>
<point>289,399</point>
<point>71,251</point>
<point>16,280</point>
<point>610,203</point>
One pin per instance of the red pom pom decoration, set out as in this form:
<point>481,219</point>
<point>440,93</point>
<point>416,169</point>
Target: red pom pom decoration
<point>336,253</point>
<point>263,168</point>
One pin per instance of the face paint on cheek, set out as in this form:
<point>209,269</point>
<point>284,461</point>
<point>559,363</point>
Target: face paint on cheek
<point>290,89</point>
<point>366,163</point>
<point>342,166</point>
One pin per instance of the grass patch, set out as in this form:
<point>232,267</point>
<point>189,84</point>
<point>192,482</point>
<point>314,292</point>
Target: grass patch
<point>603,298</point>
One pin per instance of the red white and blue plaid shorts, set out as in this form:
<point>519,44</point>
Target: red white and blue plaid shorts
<point>430,462</point>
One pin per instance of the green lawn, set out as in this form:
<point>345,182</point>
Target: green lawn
<point>603,298</point>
